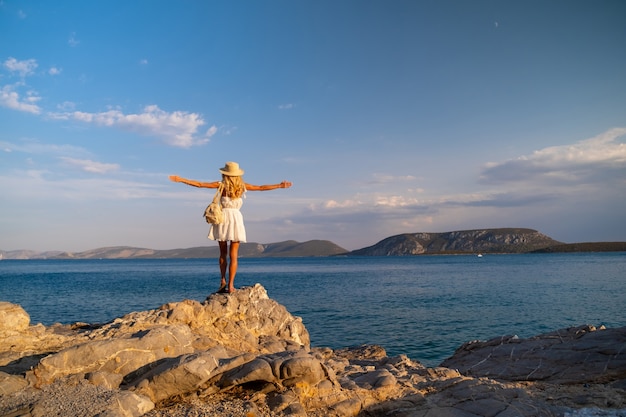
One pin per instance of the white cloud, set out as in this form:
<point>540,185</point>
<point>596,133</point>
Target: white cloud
<point>72,41</point>
<point>66,106</point>
<point>143,61</point>
<point>24,68</point>
<point>333,204</point>
<point>593,160</point>
<point>46,185</point>
<point>11,99</point>
<point>211,131</point>
<point>177,128</point>
<point>287,106</point>
<point>91,166</point>
<point>34,147</point>
<point>227,130</point>
<point>380,178</point>
<point>54,71</point>
<point>394,201</point>
<point>366,203</point>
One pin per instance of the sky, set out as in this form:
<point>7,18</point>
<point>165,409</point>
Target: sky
<point>389,117</point>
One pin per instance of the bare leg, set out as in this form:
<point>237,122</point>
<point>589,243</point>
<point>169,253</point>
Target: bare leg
<point>223,263</point>
<point>232,269</point>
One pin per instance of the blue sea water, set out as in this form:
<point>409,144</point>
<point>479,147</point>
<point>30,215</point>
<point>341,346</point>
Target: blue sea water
<point>423,306</point>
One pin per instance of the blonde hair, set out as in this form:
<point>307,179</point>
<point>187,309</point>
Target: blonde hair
<point>234,187</point>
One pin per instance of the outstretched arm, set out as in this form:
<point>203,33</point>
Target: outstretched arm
<point>252,187</point>
<point>195,183</point>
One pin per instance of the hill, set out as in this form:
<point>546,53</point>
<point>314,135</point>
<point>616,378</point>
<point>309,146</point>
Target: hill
<point>289,248</point>
<point>28,254</point>
<point>585,247</point>
<point>506,240</point>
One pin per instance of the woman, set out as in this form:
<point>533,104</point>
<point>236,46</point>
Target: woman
<point>232,228</point>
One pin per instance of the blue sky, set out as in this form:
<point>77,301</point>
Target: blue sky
<point>388,117</point>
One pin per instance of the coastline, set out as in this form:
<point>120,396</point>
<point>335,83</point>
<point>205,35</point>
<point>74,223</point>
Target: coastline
<point>245,354</point>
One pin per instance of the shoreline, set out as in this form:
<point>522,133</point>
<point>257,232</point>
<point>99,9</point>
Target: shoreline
<point>243,354</point>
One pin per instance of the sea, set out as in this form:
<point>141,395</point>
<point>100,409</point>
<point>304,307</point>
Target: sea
<point>422,306</point>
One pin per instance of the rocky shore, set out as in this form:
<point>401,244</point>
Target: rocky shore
<point>243,354</point>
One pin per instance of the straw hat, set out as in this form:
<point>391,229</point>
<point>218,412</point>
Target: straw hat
<point>232,169</point>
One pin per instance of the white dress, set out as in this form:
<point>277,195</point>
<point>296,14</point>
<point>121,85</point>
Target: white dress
<point>232,228</point>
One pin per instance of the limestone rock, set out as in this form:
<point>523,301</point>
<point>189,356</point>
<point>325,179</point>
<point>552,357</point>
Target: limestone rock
<point>178,376</point>
<point>575,355</point>
<point>105,379</point>
<point>11,383</point>
<point>247,320</point>
<point>13,318</point>
<point>128,404</point>
<point>376,379</point>
<point>283,369</point>
<point>121,356</point>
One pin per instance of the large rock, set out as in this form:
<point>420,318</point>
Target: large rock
<point>13,318</point>
<point>184,374</point>
<point>11,383</point>
<point>117,356</point>
<point>575,355</point>
<point>247,320</point>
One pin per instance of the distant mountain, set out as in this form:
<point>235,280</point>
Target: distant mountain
<point>286,249</point>
<point>116,252</point>
<point>289,248</point>
<point>585,247</point>
<point>28,254</point>
<point>509,240</point>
